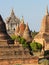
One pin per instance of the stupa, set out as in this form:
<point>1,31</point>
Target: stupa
<point>43,35</point>
<point>22,26</point>
<point>4,37</point>
<point>27,34</point>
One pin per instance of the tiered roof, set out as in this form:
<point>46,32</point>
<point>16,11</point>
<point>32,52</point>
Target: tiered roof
<point>12,18</point>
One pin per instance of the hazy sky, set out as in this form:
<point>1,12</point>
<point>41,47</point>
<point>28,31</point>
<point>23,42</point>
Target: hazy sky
<point>32,10</point>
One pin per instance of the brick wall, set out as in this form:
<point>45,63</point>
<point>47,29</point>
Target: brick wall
<point>18,61</point>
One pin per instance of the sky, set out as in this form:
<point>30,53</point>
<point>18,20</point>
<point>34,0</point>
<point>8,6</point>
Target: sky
<point>33,11</point>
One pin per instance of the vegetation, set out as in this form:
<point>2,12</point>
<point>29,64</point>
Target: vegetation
<point>13,37</point>
<point>18,64</point>
<point>35,46</point>
<point>20,39</point>
<point>44,62</point>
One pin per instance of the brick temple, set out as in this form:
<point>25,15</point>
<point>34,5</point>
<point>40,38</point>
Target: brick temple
<point>43,35</point>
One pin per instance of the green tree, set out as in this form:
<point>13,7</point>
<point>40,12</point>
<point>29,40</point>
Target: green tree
<point>13,37</point>
<point>35,46</point>
<point>22,41</point>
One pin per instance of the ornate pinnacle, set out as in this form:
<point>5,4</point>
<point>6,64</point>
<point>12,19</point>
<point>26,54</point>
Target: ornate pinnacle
<point>47,10</point>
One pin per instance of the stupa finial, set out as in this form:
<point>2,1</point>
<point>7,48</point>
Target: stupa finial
<point>47,10</point>
<point>22,20</point>
<point>12,12</point>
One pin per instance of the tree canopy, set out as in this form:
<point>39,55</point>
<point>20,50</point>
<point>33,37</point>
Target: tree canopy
<point>35,46</point>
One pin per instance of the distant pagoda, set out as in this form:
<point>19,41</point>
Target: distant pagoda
<point>23,30</point>
<point>43,35</point>
<point>27,34</point>
<point>22,27</point>
<point>11,22</point>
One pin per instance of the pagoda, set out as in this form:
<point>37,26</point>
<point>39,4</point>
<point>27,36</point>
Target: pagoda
<point>22,27</point>
<point>43,35</point>
<point>27,34</point>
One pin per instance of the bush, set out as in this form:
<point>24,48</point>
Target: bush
<point>23,42</point>
<point>20,39</point>
<point>35,46</point>
<point>13,37</point>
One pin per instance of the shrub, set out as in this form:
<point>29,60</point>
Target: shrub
<point>13,37</point>
<point>35,46</point>
<point>23,42</point>
<point>20,39</point>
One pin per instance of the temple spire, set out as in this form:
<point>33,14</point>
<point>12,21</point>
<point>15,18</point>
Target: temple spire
<point>47,10</point>
<point>12,12</point>
<point>22,20</point>
<point>27,27</point>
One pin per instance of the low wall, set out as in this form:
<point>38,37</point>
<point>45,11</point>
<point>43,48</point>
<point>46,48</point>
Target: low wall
<point>18,61</point>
